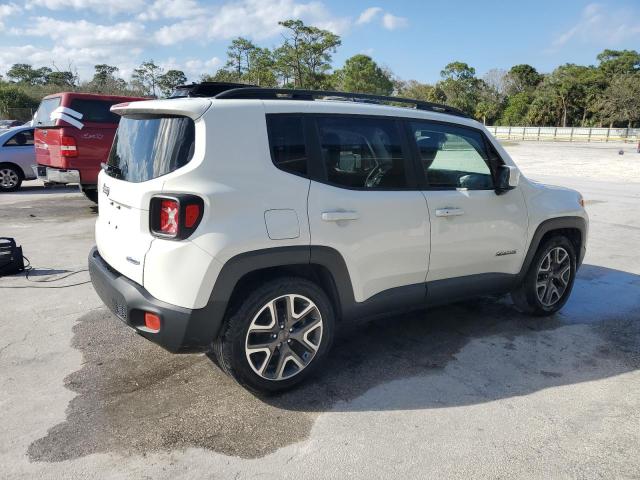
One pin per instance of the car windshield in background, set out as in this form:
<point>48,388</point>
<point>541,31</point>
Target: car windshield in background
<point>42,117</point>
<point>149,147</point>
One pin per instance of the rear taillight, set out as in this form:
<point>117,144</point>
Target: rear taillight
<point>68,147</point>
<point>175,216</point>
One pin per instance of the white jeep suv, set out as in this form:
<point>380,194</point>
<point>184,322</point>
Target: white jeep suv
<point>252,223</point>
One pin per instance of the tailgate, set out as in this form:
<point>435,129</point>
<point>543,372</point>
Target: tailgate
<point>122,228</point>
<point>47,146</point>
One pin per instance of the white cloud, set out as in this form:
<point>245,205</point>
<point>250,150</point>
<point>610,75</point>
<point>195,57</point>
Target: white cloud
<point>256,19</point>
<point>368,15</point>
<point>391,22</point>
<point>602,25</point>
<point>111,7</point>
<point>83,34</point>
<point>7,10</point>
<point>80,59</point>
<point>193,67</point>
<point>171,9</point>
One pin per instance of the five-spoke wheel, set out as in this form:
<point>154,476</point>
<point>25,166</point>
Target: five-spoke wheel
<point>283,337</point>
<point>10,179</point>
<point>278,336</point>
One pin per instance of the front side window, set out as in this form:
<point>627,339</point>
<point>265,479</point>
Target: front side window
<point>452,157</point>
<point>362,152</point>
<point>286,138</point>
<point>20,139</point>
<point>147,147</point>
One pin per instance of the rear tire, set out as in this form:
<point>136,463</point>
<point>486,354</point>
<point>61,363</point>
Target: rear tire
<point>548,283</point>
<point>278,337</point>
<point>10,178</point>
<point>91,194</point>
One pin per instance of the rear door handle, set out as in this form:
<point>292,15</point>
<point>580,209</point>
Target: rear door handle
<point>337,216</point>
<point>449,212</point>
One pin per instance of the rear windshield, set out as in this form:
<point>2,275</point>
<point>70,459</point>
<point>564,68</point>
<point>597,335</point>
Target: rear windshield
<point>95,110</point>
<point>43,115</point>
<point>150,146</point>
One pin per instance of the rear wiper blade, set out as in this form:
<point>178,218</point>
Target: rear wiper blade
<point>111,169</point>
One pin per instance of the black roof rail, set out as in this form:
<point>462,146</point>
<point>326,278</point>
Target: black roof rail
<point>258,93</point>
<point>205,89</point>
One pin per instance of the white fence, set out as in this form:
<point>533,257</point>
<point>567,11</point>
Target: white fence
<point>567,134</point>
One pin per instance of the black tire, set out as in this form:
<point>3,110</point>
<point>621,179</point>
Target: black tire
<point>91,194</point>
<point>10,178</point>
<point>526,296</point>
<point>229,348</point>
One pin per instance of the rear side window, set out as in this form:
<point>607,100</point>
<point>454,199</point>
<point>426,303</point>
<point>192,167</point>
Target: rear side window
<point>20,139</point>
<point>362,152</point>
<point>94,110</point>
<point>287,142</point>
<point>45,109</point>
<point>150,146</point>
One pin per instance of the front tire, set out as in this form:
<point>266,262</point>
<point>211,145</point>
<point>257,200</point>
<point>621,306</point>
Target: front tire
<point>548,283</point>
<point>278,337</point>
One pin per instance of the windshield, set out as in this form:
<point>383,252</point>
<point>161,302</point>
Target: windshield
<point>150,146</point>
<point>42,118</point>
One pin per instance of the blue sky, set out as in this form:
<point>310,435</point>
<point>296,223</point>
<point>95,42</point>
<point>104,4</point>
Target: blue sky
<point>415,39</point>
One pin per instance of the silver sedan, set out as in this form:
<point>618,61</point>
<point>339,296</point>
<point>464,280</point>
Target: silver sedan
<point>17,155</point>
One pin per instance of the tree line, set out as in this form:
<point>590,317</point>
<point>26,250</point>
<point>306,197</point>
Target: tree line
<point>604,94</point>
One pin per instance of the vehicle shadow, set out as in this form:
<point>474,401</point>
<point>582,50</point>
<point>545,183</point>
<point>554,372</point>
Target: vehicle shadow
<point>133,397</point>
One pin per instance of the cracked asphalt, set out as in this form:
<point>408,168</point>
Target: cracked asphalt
<point>468,390</point>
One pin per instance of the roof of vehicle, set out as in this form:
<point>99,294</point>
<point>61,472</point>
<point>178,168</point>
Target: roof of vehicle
<point>95,96</point>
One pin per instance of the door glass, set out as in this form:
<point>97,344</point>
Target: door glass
<point>452,157</point>
<point>362,152</point>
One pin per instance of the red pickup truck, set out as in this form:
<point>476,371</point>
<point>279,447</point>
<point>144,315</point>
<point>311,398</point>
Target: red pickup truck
<point>73,136</point>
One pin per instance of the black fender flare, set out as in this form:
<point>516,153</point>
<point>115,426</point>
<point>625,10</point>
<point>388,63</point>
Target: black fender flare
<point>558,223</point>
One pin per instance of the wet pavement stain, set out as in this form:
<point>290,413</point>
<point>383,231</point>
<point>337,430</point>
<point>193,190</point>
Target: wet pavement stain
<point>134,398</point>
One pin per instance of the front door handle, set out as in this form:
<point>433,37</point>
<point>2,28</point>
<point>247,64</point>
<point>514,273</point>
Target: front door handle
<point>337,216</point>
<point>449,212</point>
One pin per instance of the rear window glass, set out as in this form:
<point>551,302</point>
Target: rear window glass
<point>46,108</point>
<point>95,110</point>
<point>151,146</point>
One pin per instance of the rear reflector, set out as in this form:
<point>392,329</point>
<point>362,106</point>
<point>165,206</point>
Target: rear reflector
<point>192,215</point>
<point>68,147</point>
<point>152,321</point>
<point>169,217</point>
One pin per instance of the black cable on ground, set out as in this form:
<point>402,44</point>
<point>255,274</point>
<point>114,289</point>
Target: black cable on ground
<point>28,268</point>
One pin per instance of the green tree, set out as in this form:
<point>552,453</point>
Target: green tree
<point>167,82</point>
<point>239,56</point>
<point>522,78</point>
<point>361,74</point>
<point>615,62</point>
<point>63,79</point>
<point>26,74</point>
<point>621,100</point>
<point>490,103</point>
<point>13,97</point>
<point>146,77</point>
<point>516,109</point>
<point>261,69</point>
<point>305,57</point>
<point>460,86</point>
<point>421,91</point>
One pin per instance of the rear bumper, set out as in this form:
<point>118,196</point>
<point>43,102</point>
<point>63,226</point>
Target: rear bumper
<point>181,329</point>
<point>55,175</point>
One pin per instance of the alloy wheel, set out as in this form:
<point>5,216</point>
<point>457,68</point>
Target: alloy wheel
<point>554,275</point>
<point>284,337</point>
<point>8,178</point>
